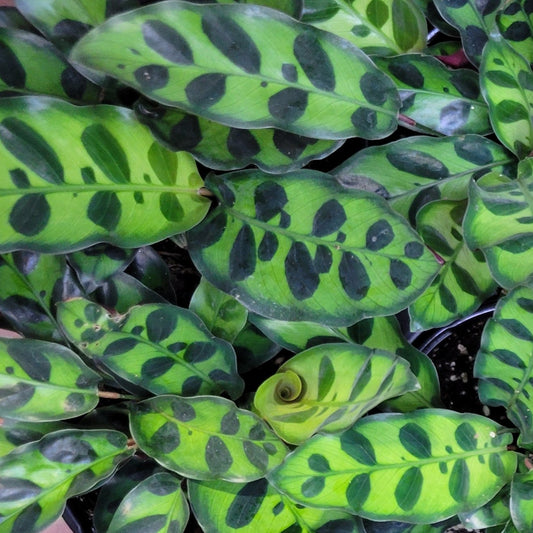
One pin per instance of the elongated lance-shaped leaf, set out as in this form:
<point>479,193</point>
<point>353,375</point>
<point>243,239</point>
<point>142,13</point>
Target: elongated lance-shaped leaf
<point>521,504</point>
<point>507,86</point>
<point>474,19</point>
<point>327,388</point>
<point>494,513</point>
<point>225,148</point>
<point>515,23</point>
<point>224,316</point>
<point>305,81</point>
<point>38,477</point>
<point>253,348</point>
<point>504,363</point>
<point>160,347</point>
<point>206,437</point>
<point>155,504</point>
<point>419,467</point>
<point>378,27</point>
<point>306,248</point>
<point>32,65</point>
<point>437,99</point>
<point>15,433</point>
<point>258,506</point>
<point>103,178</point>
<point>416,170</point>
<point>499,221</point>
<point>11,17</point>
<point>43,381</point>
<point>464,281</point>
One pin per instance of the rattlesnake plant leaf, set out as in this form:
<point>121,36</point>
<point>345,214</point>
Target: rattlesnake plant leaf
<point>416,170</point>
<point>222,507</point>
<point>38,477</point>
<point>44,381</point>
<point>15,433</point>
<point>436,99</point>
<point>327,388</point>
<point>253,348</point>
<point>305,81</point>
<point>499,221</point>
<point>403,527</point>
<point>521,504</point>
<point>306,248</point>
<point>205,437</point>
<point>31,286</point>
<point>224,316</point>
<point>419,467</point>
<point>156,504</point>
<point>494,513</point>
<point>507,86</point>
<point>464,281</point>
<point>474,19</point>
<point>104,178</point>
<point>435,18</point>
<point>225,148</point>
<point>515,23</point>
<point>160,347</point>
<point>10,17</point>
<point>32,65</point>
<point>504,363</point>
<point>378,27</point>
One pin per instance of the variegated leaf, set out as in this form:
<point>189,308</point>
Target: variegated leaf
<point>515,23</point>
<point>494,513</point>
<point>15,433</point>
<point>521,504</point>
<point>253,348</point>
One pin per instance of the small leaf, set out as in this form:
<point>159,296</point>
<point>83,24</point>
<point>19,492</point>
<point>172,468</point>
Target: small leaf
<point>253,348</point>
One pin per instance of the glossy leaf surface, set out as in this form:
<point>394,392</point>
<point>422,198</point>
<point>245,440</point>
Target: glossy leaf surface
<point>305,81</point>
<point>43,381</point>
<point>253,348</point>
<point>493,513</point>
<point>206,437</point>
<point>119,185</point>
<point>15,433</point>
<point>515,23</point>
<point>160,347</point>
<point>327,388</point>
<point>333,253</point>
<point>521,501</point>
<point>420,467</point>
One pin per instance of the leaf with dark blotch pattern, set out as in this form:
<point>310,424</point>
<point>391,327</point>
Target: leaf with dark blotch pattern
<point>515,23</point>
<point>123,188</point>
<point>504,363</point>
<point>306,81</point>
<point>327,388</point>
<point>391,466</point>
<point>464,281</point>
<point>11,17</point>
<point>507,85</point>
<point>160,347</point>
<point>43,381</point>
<point>38,477</point>
<point>206,437</point>
<point>253,348</point>
<point>521,503</point>
<point>329,242</point>
<point>258,506</point>
<point>15,433</point>
<point>493,513</point>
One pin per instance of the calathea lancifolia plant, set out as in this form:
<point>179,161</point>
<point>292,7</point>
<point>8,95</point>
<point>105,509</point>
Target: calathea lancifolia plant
<point>113,379</point>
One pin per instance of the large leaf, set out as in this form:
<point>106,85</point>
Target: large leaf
<point>43,381</point>
<point>327,388</point>
<point>220,506</point>
<point>103,178</point>
<point>416,170</point>
<point>305,81</point>
<point>306,248</point>
<point>206,437</point>
<point>507,86</point>
<point>515,22</point>
<point>499,221</point>
<point>521,504</point>
<point>38,477</point>
<point>419,467</point>
<point>15,433</point>
<point>160,347</point>
<point>504,363</point>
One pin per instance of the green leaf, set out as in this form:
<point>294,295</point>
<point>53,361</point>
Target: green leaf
<point>206,437</point>
<point>160,347</point>
<point>155,504</point>
<point>401,527</point>
<point>253,348</point>
<point>377,26</point>
<point>38,477</point>
<point>464,281</point>
<point>416,170</point>
<point>515,23</point>
<point>499,221</point>
<point>420,467</point>
<point>43,381</point>
<point>327,388</point>
<point>15,433</point>
<point>436,99</point>
<point>304,239</point>
<point>224,316</point>
<point>504,363</point>
<point>220,506</point>
<point>521,504</point>
<point>493,513</point>
<point>104,178</point>
<point>507,86</point>
<point>10,17</point>
<point>305,81</point>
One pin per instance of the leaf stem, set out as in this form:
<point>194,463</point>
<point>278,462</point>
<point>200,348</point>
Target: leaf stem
<point>114,395</point>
